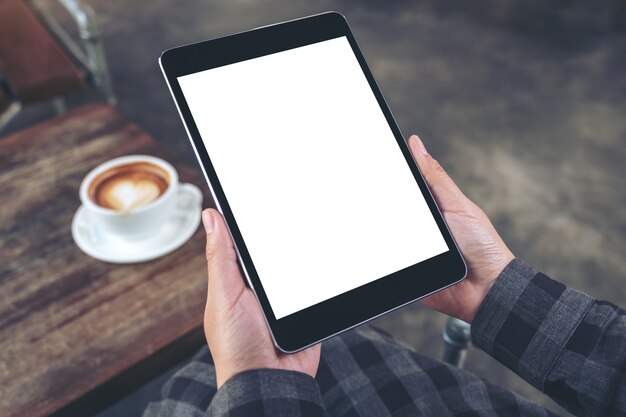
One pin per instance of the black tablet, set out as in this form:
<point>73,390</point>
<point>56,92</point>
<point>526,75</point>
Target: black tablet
<point>332,220</point>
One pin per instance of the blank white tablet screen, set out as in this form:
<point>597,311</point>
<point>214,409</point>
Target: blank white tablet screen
<point>321,192</point>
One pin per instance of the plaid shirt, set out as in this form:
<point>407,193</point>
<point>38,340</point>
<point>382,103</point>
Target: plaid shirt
<point>561,341</point>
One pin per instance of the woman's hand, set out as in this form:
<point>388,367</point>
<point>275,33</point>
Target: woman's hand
<point>484,251</point>
<point>234,326</point>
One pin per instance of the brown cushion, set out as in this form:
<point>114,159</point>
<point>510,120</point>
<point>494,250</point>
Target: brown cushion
<point>35,66</point>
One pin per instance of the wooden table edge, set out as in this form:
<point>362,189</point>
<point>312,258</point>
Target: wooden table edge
<point>124,384</point>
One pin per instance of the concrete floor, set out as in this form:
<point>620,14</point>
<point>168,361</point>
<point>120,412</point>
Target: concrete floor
<point>524,103</point>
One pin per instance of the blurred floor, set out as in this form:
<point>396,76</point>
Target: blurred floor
<point>524,103</point>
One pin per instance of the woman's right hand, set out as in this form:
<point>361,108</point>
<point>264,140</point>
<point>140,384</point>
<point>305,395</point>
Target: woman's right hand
<point>485,253</point>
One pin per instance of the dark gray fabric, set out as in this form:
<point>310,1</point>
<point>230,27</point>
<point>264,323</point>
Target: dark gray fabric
<point>560,340</point>
<point>363,372</point>
<point>269,392</point>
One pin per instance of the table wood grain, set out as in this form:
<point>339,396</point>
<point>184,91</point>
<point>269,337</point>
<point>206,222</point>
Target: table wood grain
<point>69,324</point>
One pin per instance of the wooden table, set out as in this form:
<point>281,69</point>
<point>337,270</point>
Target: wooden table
<point>77,333</point>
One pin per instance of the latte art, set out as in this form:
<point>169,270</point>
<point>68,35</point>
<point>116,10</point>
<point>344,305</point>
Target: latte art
<point>127,187</point>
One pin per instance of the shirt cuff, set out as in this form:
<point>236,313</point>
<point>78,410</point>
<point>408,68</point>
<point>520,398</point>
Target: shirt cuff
<point>526,320</point>
<point>271,392</point>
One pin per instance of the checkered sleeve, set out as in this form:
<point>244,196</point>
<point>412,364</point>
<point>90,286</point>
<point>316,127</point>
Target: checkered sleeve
<point>268,392</point>
<point>562,341</point>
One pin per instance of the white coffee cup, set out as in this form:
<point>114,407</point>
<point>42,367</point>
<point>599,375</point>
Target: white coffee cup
<point>139,210</point>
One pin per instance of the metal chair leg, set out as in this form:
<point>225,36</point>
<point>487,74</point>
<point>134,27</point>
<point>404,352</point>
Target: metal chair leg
<point>90,33</point>
<point>9,113</point>
<point>456,336</point>
<point>59,106</point>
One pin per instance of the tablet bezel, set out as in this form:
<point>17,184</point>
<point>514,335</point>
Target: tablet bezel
<point>320,321</point>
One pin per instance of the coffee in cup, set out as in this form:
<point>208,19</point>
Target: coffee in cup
<point>124,188</point>
<point>133,196</point>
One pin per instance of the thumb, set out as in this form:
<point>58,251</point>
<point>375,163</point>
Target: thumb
<point>225,281</point>
<point>449,197</point>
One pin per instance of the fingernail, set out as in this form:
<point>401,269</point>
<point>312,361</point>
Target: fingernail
<point>420,144</point>
<point>208,221</point>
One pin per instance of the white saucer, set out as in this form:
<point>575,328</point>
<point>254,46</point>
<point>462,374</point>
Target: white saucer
<point>115,249</point>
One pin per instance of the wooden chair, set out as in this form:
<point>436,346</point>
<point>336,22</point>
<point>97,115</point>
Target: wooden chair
<point>40,62</point>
